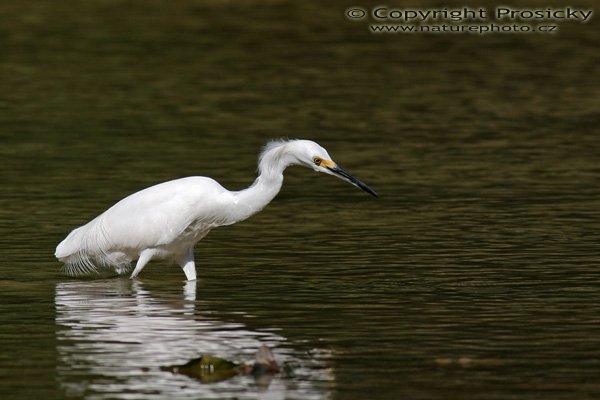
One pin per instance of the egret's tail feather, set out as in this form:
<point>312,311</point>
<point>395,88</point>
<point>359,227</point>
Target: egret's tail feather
<point>79,265</point>
<point>87,249</point>
<point>82,264</point>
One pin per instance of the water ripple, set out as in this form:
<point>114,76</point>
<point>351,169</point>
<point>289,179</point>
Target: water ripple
<point>113,336</point>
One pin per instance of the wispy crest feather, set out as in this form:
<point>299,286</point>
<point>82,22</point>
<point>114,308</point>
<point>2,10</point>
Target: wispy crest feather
<point>275,150</point>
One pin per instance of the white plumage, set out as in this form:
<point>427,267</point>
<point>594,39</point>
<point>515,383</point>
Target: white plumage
<point>167,220</point>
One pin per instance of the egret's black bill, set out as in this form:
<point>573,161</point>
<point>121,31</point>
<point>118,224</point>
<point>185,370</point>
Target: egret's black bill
<point>349,178</point>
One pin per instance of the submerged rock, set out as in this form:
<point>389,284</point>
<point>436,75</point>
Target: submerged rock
<point>210,369</point>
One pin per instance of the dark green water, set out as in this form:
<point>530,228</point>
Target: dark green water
<point>475,275</point>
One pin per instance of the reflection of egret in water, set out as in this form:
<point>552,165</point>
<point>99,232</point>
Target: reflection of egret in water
<point>113,336</point>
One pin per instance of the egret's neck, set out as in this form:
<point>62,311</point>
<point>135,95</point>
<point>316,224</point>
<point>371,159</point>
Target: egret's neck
<point>256,197</point>
<point>266,186</point>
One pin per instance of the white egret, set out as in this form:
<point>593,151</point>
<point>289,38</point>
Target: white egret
<point>165,221</point>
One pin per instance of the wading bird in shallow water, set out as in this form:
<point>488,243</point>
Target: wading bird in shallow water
<point>165,221</point>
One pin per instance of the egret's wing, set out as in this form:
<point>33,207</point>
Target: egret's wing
<point>158,215</point>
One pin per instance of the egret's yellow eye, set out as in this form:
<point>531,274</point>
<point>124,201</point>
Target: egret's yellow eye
<point>317,160</point>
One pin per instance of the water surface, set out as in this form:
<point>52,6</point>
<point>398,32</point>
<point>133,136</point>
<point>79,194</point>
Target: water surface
<point>474,275</point>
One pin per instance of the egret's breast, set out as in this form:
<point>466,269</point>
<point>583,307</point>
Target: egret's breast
<point>195,231</point>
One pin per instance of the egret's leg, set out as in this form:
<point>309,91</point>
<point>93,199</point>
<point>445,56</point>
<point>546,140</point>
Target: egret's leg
<point>188,265</point>
<point>145,256</point>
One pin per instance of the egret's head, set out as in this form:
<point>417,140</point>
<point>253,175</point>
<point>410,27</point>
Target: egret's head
<point>311,155</point>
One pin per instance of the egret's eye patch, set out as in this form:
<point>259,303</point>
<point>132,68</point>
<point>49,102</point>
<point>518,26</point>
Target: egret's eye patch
<point>317,160</point>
